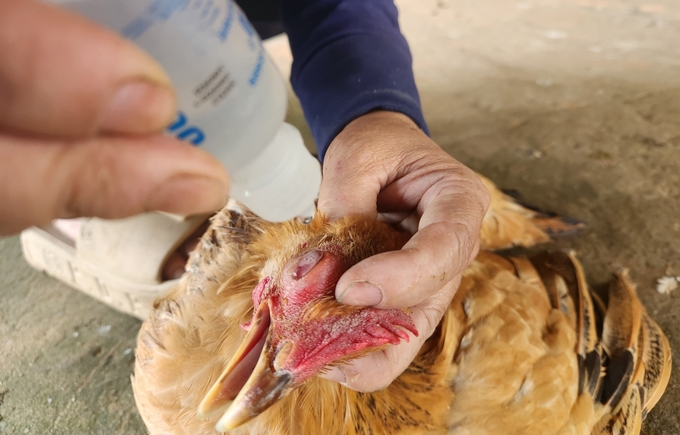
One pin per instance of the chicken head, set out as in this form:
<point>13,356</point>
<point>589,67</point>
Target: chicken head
<point>298,329</point>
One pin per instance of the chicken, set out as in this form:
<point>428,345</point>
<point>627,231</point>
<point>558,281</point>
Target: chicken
<point>524,348</point>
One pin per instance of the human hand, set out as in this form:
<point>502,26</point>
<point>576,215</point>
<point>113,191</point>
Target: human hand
<point>383,165</point>
<point>78,107</point>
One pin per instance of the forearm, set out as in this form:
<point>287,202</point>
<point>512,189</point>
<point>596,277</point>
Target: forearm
<point>350,59</point>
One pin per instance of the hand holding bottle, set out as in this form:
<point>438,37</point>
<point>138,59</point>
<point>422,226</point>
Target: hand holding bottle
<point>232,100</point>
<point>77,107</point>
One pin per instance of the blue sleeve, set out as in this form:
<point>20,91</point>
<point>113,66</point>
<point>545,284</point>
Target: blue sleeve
<point>349,58</point>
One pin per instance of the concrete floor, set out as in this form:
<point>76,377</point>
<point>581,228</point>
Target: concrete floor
<point>574,103</point>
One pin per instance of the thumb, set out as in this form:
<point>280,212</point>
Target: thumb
<point>378,369</point>
<point>350,185</point>
<point>68,77</point>
<point>106,177</point>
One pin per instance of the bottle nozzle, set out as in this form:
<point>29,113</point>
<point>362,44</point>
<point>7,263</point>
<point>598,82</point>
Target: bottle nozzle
<point>308,215</point>
<point>282,182</point>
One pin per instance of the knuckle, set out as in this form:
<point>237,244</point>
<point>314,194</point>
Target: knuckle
<point>91,173</point>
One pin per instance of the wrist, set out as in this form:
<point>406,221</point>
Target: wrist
<point>372,126</point>
<point>382,117</point>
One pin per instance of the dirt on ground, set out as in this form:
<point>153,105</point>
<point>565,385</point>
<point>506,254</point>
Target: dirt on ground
<point>575,104</point>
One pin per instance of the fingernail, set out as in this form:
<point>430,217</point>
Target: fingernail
<point>188,194</point>
<point>139,107</point>
<point>362,294</point>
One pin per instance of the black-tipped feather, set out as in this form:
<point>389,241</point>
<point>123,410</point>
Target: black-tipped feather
<point>623,356</point>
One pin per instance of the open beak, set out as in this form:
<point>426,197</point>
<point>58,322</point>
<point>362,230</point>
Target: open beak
<point>250,383</point>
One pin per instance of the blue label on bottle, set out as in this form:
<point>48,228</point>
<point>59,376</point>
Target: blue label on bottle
<point>252,37</point>
<point>226,24</point>
<point>258,69</point>
<point>159,10</point>
<point>188,133</point>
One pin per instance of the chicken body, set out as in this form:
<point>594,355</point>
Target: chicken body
<point>523,349</point>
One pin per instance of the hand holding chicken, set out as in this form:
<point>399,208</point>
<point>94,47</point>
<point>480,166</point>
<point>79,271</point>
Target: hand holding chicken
<point>383,165</point>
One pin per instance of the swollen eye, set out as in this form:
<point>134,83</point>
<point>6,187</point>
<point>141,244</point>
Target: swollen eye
<point>306,263</point>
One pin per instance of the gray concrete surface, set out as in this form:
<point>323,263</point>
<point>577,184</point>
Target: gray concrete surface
<point>574,103</point>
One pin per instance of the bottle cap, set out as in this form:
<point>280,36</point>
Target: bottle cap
<point>282,182</point>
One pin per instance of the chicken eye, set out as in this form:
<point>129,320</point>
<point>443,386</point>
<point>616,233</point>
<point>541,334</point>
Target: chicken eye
<point>306,263</point>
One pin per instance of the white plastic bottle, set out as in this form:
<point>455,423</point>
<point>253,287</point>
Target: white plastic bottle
<point>232,100</point>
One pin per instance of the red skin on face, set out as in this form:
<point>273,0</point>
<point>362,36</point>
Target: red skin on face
<point>307,282</point>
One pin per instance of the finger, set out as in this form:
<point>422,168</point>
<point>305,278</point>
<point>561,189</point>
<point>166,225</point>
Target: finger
<point>362,160</point>
<point>69,77</point>
<point>447,239</point>
<point>335,203</point>
<point>377,370</point>
<point>107,177</point>
<point>352,178</point>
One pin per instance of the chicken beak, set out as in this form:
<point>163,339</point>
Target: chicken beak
<point>264,388</point>
<point>247,398</point>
